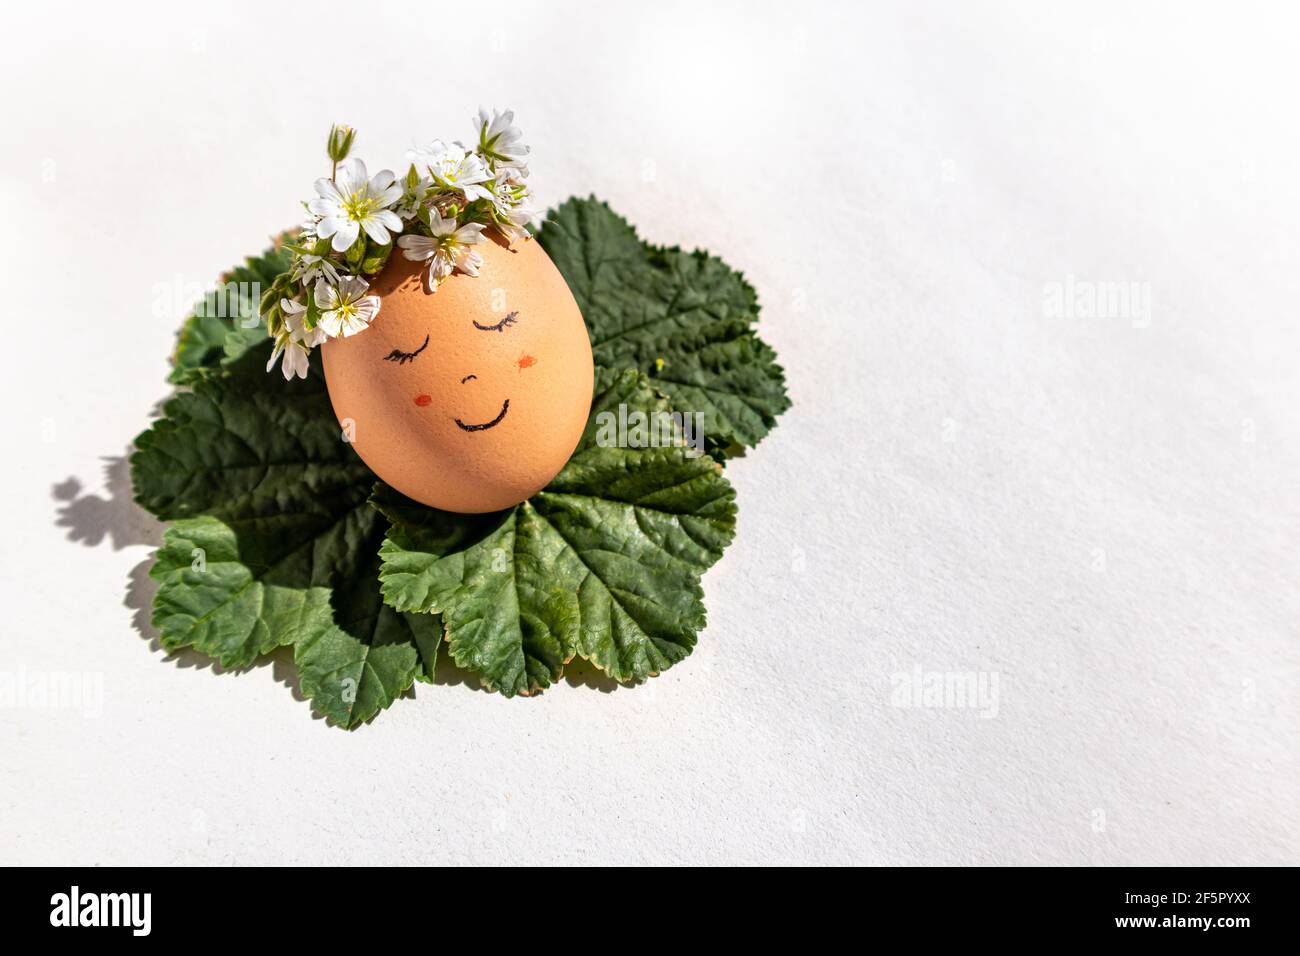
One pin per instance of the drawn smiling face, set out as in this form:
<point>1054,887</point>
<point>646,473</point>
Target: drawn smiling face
<point>471,398</point>
<point>422,400</point>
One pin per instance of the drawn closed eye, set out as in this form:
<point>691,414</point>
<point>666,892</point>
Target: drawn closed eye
<point>500,326</point>
<point>401,358</point>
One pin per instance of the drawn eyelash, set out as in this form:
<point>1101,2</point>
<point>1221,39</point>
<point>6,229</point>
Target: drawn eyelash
<point>401,358</point>
<point>500,326</point>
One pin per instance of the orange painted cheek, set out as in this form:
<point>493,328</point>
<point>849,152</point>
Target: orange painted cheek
<point>423,400</point>
<point>526,361</point>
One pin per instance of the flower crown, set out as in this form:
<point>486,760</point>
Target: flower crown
<point>449,196</point>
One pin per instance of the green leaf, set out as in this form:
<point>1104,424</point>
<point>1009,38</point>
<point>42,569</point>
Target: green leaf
<point>353,671</point>
<point>256,473</point>
<point>209,599</point>
<point>604,563</point>
<point>222,327</point>
<point>267,458</point>
<point>684,318</point>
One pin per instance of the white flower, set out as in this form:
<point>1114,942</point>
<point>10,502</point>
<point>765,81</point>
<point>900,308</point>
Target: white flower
<point>295,314</point>
<point>447,250</point>
<point>452,167</point>
<point>345,308</point>
<point>510,204</point>
<point>413,197</point>
<point>499,140</point>
<point>353,203</point>
<point>517,223</point>
<point>295,361</point>
<point>296,342</point>
<point>308,268</point>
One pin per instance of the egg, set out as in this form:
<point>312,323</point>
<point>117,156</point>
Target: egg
<point>470,398</point>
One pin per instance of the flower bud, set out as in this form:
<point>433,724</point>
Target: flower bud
<point>340,142</point>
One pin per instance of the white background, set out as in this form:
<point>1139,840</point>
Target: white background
<point>1105,516</point>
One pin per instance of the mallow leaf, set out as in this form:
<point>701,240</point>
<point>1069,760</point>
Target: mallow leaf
<point>358,667</point>
<point>267,458</point>
<point>604,563</point>
<point>210,599</point>
<point>275,542</point>
<point>225,322</point>
<point>684,318</point>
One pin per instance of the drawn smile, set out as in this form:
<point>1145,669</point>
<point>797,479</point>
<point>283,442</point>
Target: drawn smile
<point>505,407</point>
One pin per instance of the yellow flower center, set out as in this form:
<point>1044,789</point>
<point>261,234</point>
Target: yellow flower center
<point>360,206</point>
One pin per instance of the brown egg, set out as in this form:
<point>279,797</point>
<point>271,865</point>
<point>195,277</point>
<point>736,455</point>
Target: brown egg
<point>471,398</point>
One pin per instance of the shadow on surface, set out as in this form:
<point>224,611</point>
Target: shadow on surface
<point>580,673</point>
<point>92,519</point>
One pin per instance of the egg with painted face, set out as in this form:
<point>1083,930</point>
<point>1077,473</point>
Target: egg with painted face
<point>470,398</point>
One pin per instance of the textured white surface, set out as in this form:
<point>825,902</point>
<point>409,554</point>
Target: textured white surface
<point>1102,515</point>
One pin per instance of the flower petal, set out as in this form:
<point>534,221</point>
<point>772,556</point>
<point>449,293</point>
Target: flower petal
<point>299,362</point>
<point>326,296</point>
<point>352,288</point>
<point>367,308</point>
<point>346,234</point>
<point>331,323</point>
<point>325,208</point>
<point>351,177</point>
<point>470,263</point>
<point>375,230</point>
<point>389,195</point>
<point>352,325</point>
<point>279,347</point>
<point>416,248</point>
<point>470,233</point>
<point>439,226</point>
<point>327,190</point>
